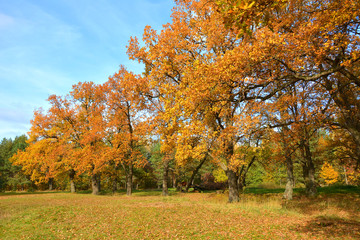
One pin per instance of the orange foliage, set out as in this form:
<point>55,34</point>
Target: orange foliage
<point>329,174</point>
<point>127,124</point>
<point>210,89</point>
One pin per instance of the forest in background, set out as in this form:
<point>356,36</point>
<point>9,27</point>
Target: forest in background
<point>233,93</point>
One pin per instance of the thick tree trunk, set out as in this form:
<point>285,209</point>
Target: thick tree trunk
<point>231,174</point>
<point>51,183</point>
<point>196,170</point>
<point>309,177</point>
<point>310,180</point>
<point>165,191</point>
<point>233,186</point>
<point>288,194</point>
<point>72,186</point>
<point>129,178</point>
<point>72,183</point>
<point>308,167</point>
<point>95,184</point>
<point>290,183</point>
<point>309,172</point>
<point>312,190</point>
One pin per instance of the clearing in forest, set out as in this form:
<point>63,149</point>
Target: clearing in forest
<point>147,215</point>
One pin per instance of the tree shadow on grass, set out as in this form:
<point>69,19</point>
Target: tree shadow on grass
<point>339,189</point>
<point>331,227</point>
<point>135,193</point>
<point>348,204</point>
<point>256,190</point>
<point>152,192</point>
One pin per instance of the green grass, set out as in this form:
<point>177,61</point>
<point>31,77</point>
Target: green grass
<point>321,190</point>
<point>256,190</point>
<point>339,189</point>
<point>28,193</point>
<point>148,215</point>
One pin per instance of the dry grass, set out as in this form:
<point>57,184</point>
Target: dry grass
<point>182,216</point>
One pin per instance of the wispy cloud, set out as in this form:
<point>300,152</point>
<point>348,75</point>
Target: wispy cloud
<point>31,81</point>
<point>47,46</point>
<point>11,130</point>
<point>5,21</point>
<point>14,115</point>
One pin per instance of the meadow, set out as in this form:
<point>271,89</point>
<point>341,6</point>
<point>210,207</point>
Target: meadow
<point>261,214</point>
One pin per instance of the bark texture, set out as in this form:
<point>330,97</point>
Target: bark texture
<point>233,186</point>
<point>72,183</point>
<point>51,184</point>
<point>308,171</point>
<point>288,194</point>
<point>165,191</point>
<point>129,180</point>
<point>95,184</point>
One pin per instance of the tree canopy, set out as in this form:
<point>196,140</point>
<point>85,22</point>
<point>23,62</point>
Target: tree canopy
<point>230,82</point>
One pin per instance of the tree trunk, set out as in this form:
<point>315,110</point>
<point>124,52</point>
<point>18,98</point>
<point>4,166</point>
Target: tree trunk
<point>95,184</point>
<point>129,177</point>
<point>233,186</point>
<point>173,180</point>
<point>242,175</point>
<point>310,180</point>
<point>241,179</point>
<point>191,182</point>
<point>114,185</point>
<point>241,184</point>
<point>72,186</point>
<point>308,167</point>
<point>309,177</point>
<point>309,186</point>
<point>51,183</point>
<point>345,175</point>
<point>99,182</point>
<point>345,101</point>
<point>288,194</point>
<point>72,183</point>
<point>231,174</point>
<point>165,191</point>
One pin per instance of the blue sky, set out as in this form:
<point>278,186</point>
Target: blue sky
<point>46,46</point>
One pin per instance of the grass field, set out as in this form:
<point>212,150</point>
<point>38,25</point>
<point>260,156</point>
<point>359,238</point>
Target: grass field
<point>261,214</point>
